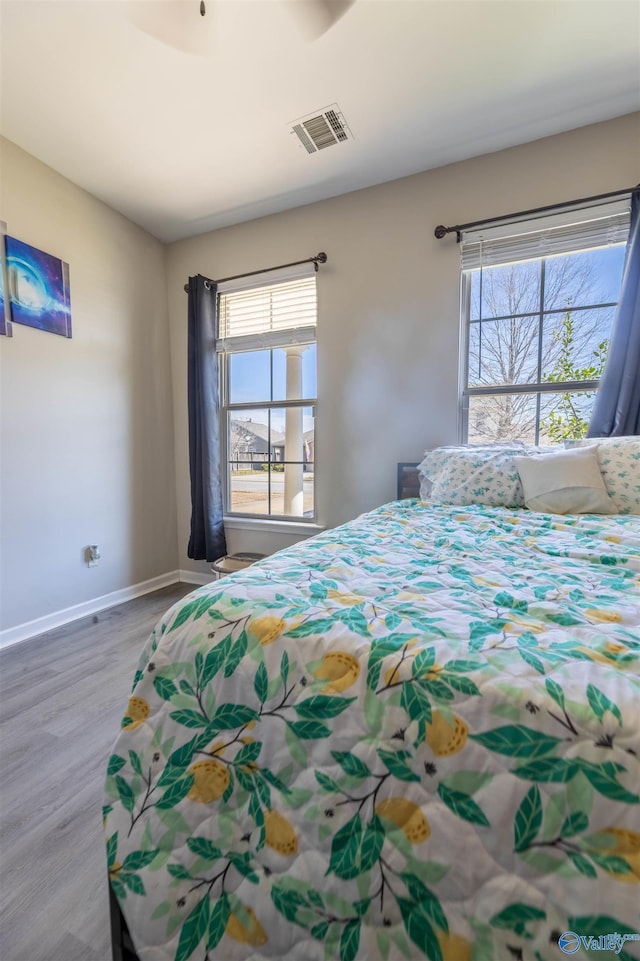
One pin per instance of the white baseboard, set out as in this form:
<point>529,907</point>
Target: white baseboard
<point>21,632</point>
<point>196,577</point>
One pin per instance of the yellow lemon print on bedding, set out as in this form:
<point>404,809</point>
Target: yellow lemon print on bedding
<point>608,656</point>
<point>279,834</point>
<point>211,780</point>
<point>252,933</point>
<point>622,843</point>
<point>113,870</point>
<point>454,947</point>
<point>267,629</point>
<point>406,815</point>
<point>432,673</point>
<point>615,647</point>
<point>138,710</point>
<point>444,738</point>
<point>593,655</point>
<point>518,625</point>
<point>626,840</point>
<point>400,671</point>
<point>344,597</point>
<point>339,669</point>
<point>603,617</point>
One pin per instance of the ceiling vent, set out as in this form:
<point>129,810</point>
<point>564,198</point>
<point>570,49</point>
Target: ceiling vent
<point>322,129</point>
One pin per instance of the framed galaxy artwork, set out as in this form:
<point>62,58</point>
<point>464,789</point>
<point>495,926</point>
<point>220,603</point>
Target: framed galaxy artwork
<point>38,286</point>
<point>5,322</point>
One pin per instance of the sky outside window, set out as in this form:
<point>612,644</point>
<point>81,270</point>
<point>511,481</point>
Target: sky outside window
<point>260,375</point>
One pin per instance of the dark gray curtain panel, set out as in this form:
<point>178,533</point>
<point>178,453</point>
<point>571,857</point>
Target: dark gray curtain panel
<point>616,411</point>
<point>207,541</point>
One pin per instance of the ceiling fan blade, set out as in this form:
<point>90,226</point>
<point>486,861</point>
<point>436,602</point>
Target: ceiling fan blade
<point>178,23</point>
<point>318,16</point>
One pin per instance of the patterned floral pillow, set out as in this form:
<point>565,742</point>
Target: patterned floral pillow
<point>619,459</point>
<point>473,475</point>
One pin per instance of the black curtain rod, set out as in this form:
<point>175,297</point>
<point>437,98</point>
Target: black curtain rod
<point>320,258</point>
<point>442,231</point>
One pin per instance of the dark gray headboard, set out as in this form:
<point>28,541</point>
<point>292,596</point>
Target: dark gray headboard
<point>408,481</point>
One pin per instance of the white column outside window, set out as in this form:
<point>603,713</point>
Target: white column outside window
<point>294,435</point>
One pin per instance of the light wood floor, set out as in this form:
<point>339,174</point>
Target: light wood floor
<point>62,696</point>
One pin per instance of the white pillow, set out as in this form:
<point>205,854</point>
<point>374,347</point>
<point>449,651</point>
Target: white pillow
<point>564,482</point>
<point>619,460</point>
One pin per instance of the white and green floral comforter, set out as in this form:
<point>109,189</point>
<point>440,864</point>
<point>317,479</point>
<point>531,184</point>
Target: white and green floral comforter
<point>415,736</point>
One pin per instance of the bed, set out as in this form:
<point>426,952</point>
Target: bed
<point>413,736</point>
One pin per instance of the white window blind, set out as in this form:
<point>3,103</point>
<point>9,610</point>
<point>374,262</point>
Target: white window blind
<point>273,314</point>
<point>584,228</point>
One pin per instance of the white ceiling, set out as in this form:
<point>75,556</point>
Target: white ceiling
<point>183,143</point>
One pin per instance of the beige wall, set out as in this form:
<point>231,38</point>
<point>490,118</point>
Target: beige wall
<point>87,451</point>
<point>87,441</point>
<point>388,323</point>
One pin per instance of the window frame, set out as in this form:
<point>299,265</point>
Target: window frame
<point>536,389</point>
<point>226,409</point>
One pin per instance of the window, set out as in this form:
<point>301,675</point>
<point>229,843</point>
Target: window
<point>267,346</point>
<point>538,300</point>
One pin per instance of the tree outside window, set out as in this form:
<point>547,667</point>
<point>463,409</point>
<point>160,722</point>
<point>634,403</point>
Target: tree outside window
<point>538,332</point>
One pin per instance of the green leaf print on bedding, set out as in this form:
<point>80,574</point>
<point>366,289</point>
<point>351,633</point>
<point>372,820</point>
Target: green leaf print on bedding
<point>419,928</point>
<point>126,794</point>
<point>356,847</point>
<point>603,779</point>
<point>515,918</point>
<point>481,630</point>
<point>189,718</point>
<point>395,762</point>
<point>555,691</point>
<point>194,929</point>
<point>350,940</point>
<point>116,763</point>
<point>175,793</point>
<point>195,608</point>
<point>582,864</point>
<point>351,764</point>
<point>236,654</point>
<point>517,740</point>
<point>165,688</point>
<point>204,848</point>
<point>230,716</point>
<point>528,819</point>
<point>549,770</point>
<point>415,702</point>
<point>576,823</point>
<point>462,805</point>
<point>322,706</point>
<point>215,659</point>
<point>427,900</point>
<point>309,730</point>
<point>218,920</point>
<point>600,703</point>
<point>138,859</point>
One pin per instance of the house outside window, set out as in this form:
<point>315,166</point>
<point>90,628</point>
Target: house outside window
<point>538,302</point>
<point>267,346</point>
